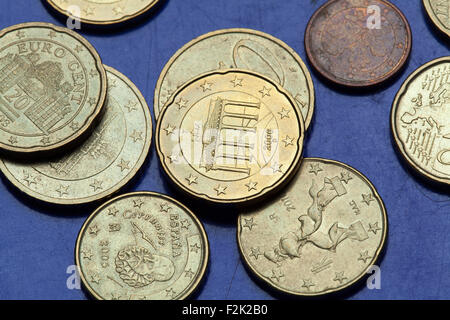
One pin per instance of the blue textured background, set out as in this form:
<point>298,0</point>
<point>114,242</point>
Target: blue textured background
<point>37,242</point>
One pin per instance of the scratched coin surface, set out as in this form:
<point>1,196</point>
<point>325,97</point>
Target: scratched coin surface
<point>420,120</point>
<point>52,88</point>
<point>230,136</point>
<point>320,235</point>
<point>102,12</point>
<point>142,246</point>
<point>358,43</point>
<point>439,13</point>
<point>243,49</point>
<point>104,163</point>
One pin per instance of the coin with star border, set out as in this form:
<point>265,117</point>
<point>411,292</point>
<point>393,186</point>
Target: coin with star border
<point>320,235</point>
<point>50,77</point>
<point>104,163</point>
<point>142,246</point>
<point>230,136</point>
<point>102,12</point>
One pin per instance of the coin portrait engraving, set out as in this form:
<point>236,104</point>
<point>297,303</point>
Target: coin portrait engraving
<point>104,163</point>
<point>439,13</point>
<point>158,249</point>
<point>420,119</point>
<point>223,144</point>
<point>238,48</point>
<point>309,240</point>
<point>50,78</point>
<point>343,48</point>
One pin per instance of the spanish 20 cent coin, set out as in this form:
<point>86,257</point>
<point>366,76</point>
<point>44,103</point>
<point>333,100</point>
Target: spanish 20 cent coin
<point>320,235</point>
<point>420,120</point>
<point>358,43</point>
<point>230,136</point>
<point>52,88</point>
<point>104,163</point>
<point>102,12</point>
<point>142,246</point>
<point>238,48</point>
<point>439,13</point>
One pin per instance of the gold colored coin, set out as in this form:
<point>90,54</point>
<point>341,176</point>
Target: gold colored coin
<point>142,246</point>
<point>321,235</point>
<point>243,49</point>
<point>420,120</point>
<point>51,78</point>
<point>439,13</point>
<point>104,163</point>
<point>102,12</point>
<point>230,136</point>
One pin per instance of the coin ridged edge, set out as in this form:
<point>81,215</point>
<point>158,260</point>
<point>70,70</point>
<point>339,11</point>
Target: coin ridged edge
<point>279,42</point>
<point>402,91</point>
<point>363,273</point>
<point>294,166</point>
<point>200,227</point>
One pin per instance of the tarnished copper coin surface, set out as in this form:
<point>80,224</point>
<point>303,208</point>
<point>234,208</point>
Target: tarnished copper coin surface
<point>102,12</point>
<point>439,13</point>
<point>358,43</point>
<point>142,246</point>
<point>104,163</point>
<point>320,235</point>
<point>420,120</point>
<point>52,88</point>
<point>230,136</point>
<point>243,49</point>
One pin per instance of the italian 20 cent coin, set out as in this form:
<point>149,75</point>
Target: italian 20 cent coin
<point>142,246</point>
<point>104,163</point>
<point>320,236</point>
<point>102,12</point>
<point>229,136</point>
<point>52,88</point>
<point>358,43</point>
<point>420,120</point>
<point>243,49</point>
<point>439,13</point>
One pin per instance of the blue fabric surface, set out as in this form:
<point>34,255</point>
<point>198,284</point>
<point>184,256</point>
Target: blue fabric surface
<point>37,242</point>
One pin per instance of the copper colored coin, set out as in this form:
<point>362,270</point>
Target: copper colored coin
<point>358,43</point>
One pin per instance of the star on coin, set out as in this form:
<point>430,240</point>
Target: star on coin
<point>88,11</point>
<point>276,275</point>
<point>95,278</point>
<point>276,167</point>
<point>288,141</point>
<point>136,135</point>
<point>170,293</point>
<point>367,198</point>
<point>74,126</point>
<point>307,283</point>
<point>182,103</point>
<point>138,203</point>
<point>374,227</point>
<point>170,129</point>
<point>255,252</point>
<point>195,247</point>
<point>13,139</point>
<point>249,223</point>
<point>284,113</point>
<point>62,190</point>
<point>206,86</point>
<point>93,73</point>
<point>265,92</point>
<point>340,277</point>
<point>185,224</point>
<point>52,34</point>
<point>92,101</point>
<point>315,168</point>
<point>192,179</point>
<point>114,296</point>
<point>251,185</point>
<point>112,83</point>
<point>112,211</point>
<point>164,207</point>
<point>236,82</point>
<point>78,48</point>
<point>173,158</point>
<point>220,189</point>
<point>345,177</point>
<point>94,230</point>
<point>29,179</point>
<point>96,185</point>
<point>364,256</point>
<point>118,10</point>
<point>189,273</point>
<point>131,106</point>
<point>87,254</point>
<point>124,165</point>
<point>20,34</point>
<point>45,140</point>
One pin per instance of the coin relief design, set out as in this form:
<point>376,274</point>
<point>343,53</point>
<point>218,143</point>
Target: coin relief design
<point>344,49</point>
<point>439,13</point>
<point>102,11</point>
<point>142,246</point>
<point>319,236</point>
<point>238,48</point>
<point>230,136</point>
<point>104,163</point>
<point>50,77</point>
<point>420,120</point>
